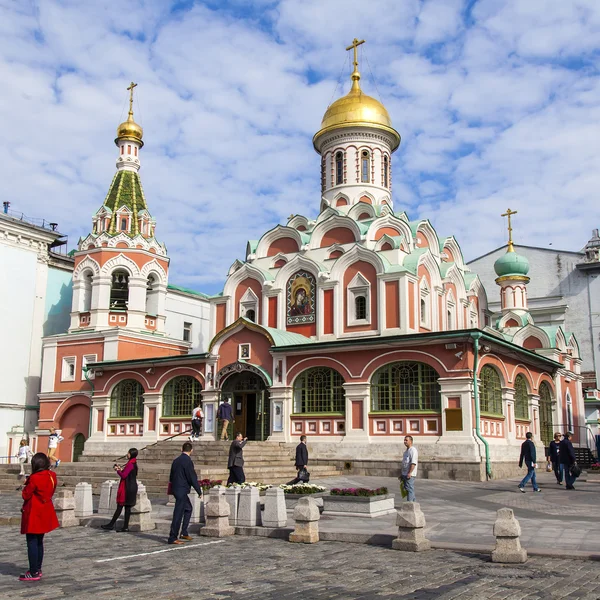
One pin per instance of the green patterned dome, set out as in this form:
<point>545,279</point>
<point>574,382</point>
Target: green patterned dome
<point>511,264</point>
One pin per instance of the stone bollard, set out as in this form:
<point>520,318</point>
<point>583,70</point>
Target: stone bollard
<point>217,515</point>
<point>84,505</point>
<point>108,497</point>
<point>275,514</point>
<point>64,505</point>
<point>197,502</point>
<point>306,516</point>
<point>249,508</point>
<point>507,531</point>
<point>411,529</point>
<point>232,495</point>
<point>141,513</point>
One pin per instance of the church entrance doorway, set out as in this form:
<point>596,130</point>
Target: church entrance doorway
<point>249,398</point>
<point>78,444</point>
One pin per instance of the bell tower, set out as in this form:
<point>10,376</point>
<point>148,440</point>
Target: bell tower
<point>121,270</point>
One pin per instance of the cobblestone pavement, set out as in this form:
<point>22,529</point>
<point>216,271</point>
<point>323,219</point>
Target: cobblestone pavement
<point>83,562</point>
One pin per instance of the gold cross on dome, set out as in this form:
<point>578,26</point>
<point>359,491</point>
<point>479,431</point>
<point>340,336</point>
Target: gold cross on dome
<point>355,44</point>
<point>509,213</point>
<point>130,90</point>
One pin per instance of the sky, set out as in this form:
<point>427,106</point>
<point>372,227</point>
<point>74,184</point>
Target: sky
<point>497,103</point>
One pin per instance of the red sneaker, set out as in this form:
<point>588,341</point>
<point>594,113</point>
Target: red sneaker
<point>29,577</point>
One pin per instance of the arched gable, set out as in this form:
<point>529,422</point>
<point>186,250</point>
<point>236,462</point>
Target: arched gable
<point>358,209</point>
<point>245,271</point>
<point>120,262</point>
<point>521,369</point>
<point>387,242</point>
<point>280,239</point>
<point>335,226</point>
<point>155,267</point>
<point>429,264</point>
<point>573,344</point>
<point>235,265</point>
<point>495,361</point>
<point>454,276</point>
<point>453,252</point>
<point>392,226</point>
<point>426,237</point>
<point>531,331</point>
<point>297,263</point>
<point>84,265</point>
<point>175,372</point>
<point>298,221</point>
<point>355,254</point>
<point>248,290</point>
<point>521,319</point>
<point>279,260</point>
<point>328,213</point>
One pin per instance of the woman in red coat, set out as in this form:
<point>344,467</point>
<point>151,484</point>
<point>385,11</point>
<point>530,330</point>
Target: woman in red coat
<point>127,491</point>
<point>39,516</point>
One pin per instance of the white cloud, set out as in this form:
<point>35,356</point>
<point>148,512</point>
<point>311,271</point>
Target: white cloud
<point>496,107</point>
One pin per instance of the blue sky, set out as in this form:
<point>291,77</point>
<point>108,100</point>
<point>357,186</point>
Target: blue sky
<point>497,103</point>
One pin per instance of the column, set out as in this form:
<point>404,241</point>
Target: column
<point>458,416</point>
<point>100,301</point>
<point>100,415</point>
<point>210,404</point>
<point>136,307</point>
<point>357,412</point>
<point>508,406</point>
<point>152,413</point>
<point>280,398</point>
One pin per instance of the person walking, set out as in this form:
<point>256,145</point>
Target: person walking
<point>554,458</point>
<point>53,440</point>
<point>23,455</point>
<point>226,415</point>
<point>301,461</point>
<point>528,455</point>
<point>127,491</point>
<point>566,455</point>
<point>181,479</point>
<point>197,417</point>
<point>38,515</point>
<point>410,463</point>
<point>235,464</point>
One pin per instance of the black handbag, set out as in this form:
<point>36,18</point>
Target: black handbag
<point>303,475</point>
<point>575,470</point>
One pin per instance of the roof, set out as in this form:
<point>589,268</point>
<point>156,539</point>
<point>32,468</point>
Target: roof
<point>177,288</point>
<point>287,338</point>
<point>125,190</point>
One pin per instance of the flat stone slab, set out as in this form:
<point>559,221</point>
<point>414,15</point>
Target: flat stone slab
<point>359,506</point>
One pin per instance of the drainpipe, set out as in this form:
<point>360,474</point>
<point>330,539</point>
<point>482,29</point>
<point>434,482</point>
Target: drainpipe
<point>85,374</point>
<point>488,467</point>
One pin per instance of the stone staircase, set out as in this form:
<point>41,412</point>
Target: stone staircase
<point>265,462</point>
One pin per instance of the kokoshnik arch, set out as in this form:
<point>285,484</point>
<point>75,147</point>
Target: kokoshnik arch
<point>354,328</point>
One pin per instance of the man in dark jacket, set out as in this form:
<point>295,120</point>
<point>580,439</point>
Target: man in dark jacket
<point>528,455</point>
<point>225,413</point>
<point>182,478</point>
<point>235,464</point>
<point>567,458</point>
<point>554,458</point>
<point>301,459</point>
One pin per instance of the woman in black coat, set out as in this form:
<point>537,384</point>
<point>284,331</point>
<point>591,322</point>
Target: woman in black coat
<point>127,492</point>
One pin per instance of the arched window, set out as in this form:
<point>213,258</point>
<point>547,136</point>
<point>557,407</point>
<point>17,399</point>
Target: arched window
<point>521,398</point>
<point>126,400</point>
<point>119,290</point>
<point>319,390</point>
<point>86,292</point>
<point>405,385</point>
<point>365,166</point>
<point>569,411</point>
<point>360,306</point>
<point>152,296</point>
<point>425,304</point>
<point>385,171</point>
<point>251,315</point>
<point>490,393</point>
<point>180,396</point>
<point>546,427</point>
<point>339,168</point>
<point>423,311</point>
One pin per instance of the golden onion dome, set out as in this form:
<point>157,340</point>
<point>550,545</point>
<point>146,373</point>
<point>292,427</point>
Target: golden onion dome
<point>130,130</point>
<point>357,109</point>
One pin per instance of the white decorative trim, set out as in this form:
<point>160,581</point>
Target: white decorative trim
<point>359,286</point>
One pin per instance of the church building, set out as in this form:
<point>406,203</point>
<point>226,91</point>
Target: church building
<point>355,328</point>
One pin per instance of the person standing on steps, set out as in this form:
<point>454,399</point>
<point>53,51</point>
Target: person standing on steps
<point>53,440</point>
<point>127,492</point>
<point>182,478</point>
<point>38,516</point>
<point>528,455</point>
<point>226,415</point>
<point>301,461</point>
<point>197,417</point>
<point>554,458</point>
<point>23,455</point>
<point>568,459</point>
<point>410,462</point>
<point>235,464</point>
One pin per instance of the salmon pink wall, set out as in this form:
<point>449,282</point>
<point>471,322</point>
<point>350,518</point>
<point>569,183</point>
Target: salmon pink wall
<point>140,258</point>
<point>392,309</point>
<point>77,350</point>
<point>386,231</point>
<point>337,235</point>
<point>133,349</point>
<point>75,420</point>
<point>273,312</point>
<point>285,245</point>
<point>328,312</point>
<point>220,320</point>
<point>241,289</point>
<point>259,352</point>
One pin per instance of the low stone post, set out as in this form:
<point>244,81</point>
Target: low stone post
<point>217,515</point>
<point>249,508</point>
<point>507,531</point>
<point>306,517</point>
<point>84,505</point>
<point>141,514</point>
<point>64,505</point>
<point>275,514</point>
<point>197,512</point>
<point>411,529</point>
<point>108,497</point>
<point>232,495</point>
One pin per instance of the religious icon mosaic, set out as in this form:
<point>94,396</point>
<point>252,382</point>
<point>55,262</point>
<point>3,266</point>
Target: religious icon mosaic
<point>301,298</point>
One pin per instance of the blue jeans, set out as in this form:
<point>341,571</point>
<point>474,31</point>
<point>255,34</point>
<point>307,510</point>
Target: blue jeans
<point>530,475</point>
<point>182,513</point>
<point>35,551</point>
<point>569,479</point>
<point>558,471</point>
<point>409,486</point>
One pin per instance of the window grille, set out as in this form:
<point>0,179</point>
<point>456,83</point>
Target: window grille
<point>180,396</point>
<point>423,311</point>
<point>319,390</point>
<point>521,398</point>
<point>339,168</point>
<point>546,427</point>
<point>385,171</point>
<point>365,166</point>
<point>126,400</point>
<point>250,315</point>
<point>490,393</point>
<point>405,386</point>
<point>360,307</point>
<point>119,290</point>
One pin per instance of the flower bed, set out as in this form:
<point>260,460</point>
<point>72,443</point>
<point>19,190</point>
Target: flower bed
<point>363,492</point>
<point>206,484</point>
<point>261,487</point>
<point>302,488</point>
<point>594,467</point>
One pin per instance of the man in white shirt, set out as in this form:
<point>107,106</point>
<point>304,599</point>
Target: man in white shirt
<point>410,461</point>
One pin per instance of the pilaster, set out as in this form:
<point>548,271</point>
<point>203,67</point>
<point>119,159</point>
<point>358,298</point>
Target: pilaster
<point>357,412</point>
<point>152,413</point>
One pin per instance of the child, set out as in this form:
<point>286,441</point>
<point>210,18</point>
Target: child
<point>38,514</point>
<point>23,455</point>
<point>53,440</point>
<point>197,416</point>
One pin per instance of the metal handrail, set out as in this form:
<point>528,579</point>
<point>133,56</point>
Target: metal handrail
<point>589,440</point>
